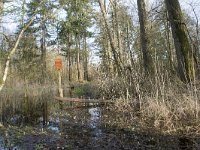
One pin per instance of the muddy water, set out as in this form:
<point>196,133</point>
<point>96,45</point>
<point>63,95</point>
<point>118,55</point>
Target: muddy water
<point>46,126</point>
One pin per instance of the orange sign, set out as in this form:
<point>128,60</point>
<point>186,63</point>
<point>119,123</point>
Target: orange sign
<point>58,64</point>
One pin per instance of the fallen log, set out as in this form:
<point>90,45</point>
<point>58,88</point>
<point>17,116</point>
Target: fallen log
<point>78,100</point>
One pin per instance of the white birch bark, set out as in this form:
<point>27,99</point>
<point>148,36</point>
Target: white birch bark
<point>6,70</point>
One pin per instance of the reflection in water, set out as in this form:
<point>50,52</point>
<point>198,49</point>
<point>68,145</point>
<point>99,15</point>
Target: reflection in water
<point>25,111</point>
<point>95,121</point>
<point>53,125</point>
<point>45,112</point>
<point>5,144</point>
<point>2,144</point>
<point>186,143</point>
<point>95,116</point>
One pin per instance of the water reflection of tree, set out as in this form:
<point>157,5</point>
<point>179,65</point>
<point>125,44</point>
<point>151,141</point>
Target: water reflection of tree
<point>24,110</point>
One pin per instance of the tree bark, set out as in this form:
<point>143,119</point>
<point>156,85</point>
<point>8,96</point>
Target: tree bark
<point>147,59</point>
<point>1,6</point>
<point>129,43</point>
<point>69,57</point>
<point>117,28</point>
<point>77,38</point>
<point>107,52</point>
<point>117,60</point>
<point>168,42</point>
<point>86,70</point>
<point>43,49</point>
<point>183,48</point>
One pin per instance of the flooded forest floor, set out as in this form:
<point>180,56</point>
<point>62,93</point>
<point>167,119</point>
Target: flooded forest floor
<point>40,123</point>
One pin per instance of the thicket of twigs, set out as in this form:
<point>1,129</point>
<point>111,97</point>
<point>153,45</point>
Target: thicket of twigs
<point>163,102</point>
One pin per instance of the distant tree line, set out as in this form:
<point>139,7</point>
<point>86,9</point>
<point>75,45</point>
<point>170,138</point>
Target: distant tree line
<point>163,38</point>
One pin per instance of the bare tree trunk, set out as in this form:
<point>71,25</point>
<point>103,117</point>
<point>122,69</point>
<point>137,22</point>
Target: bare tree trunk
<point>23,12</point>
<point>69,57</point>
<point>181,41</point>
<point>77,38</point>
<point>169,47</point>
<point>108,52</point>
<point>197,39</point>
<point>12,53</point>
<point>109,58</point>
<point>117,60</point>
<point>147,59</point>
<point>43,50</point>
<point>117,28</point>
<point>196,42</point>
<point>129,43</point>
<point>1,6</point>
<point>1,10</point>
<point>86,70</point>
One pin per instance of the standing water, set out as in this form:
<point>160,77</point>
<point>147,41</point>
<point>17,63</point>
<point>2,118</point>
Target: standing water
<point>39,126</point>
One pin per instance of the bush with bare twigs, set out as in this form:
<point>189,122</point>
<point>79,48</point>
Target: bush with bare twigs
<point>160,103</point>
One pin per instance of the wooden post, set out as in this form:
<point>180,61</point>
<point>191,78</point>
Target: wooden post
<point>58,66</point>
<point>60,90</point>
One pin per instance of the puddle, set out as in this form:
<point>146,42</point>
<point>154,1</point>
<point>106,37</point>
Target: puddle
<point>95,117</point>
<point>2,144</point>
<point>53,125</point>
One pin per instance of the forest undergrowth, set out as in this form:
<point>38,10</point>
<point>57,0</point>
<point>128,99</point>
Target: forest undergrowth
<point>163,104</point>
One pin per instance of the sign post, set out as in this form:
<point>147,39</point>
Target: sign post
<point>58,67</point>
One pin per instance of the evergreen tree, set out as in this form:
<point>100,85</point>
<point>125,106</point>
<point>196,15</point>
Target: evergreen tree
<point>74,32</point>
<point>40,26</point>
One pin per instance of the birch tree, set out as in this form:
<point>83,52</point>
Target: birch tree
<point>12,52</point>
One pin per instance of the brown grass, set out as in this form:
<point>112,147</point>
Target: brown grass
<point>166,105</point>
